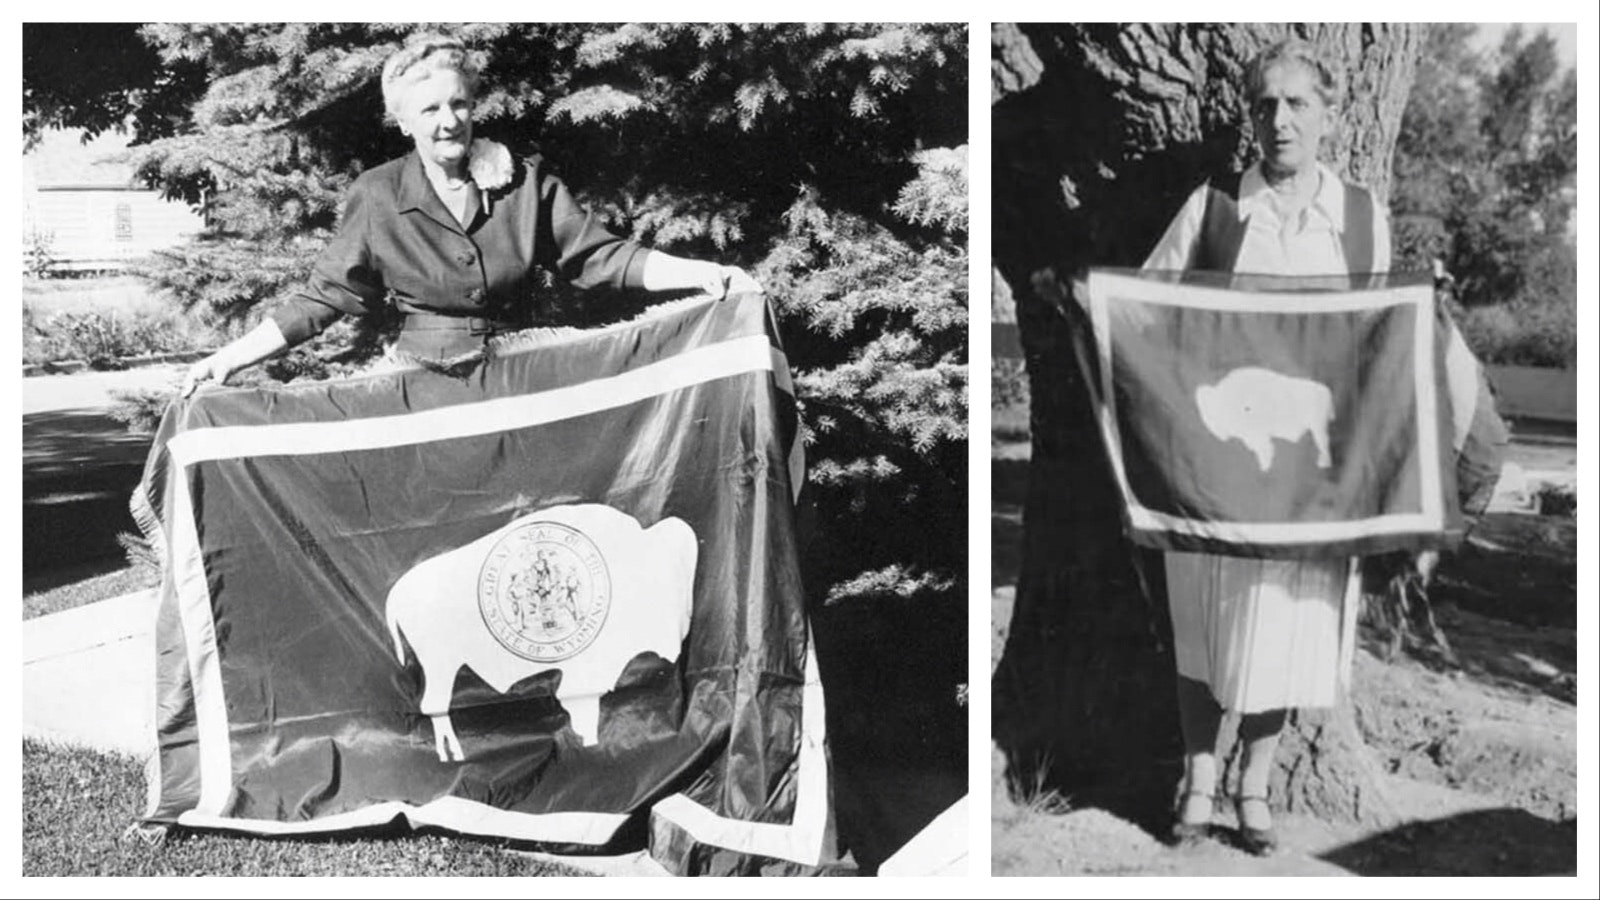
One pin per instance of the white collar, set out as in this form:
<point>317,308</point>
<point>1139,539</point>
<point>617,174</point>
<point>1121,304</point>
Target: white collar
<point>1254,193</point>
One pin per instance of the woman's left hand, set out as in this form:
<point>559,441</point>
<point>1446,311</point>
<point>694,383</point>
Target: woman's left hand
<point>663,272</point>
<point>734,280</point>
<point>719,282</point>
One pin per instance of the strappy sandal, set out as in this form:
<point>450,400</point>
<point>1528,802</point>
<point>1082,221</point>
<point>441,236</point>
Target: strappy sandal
<point>1187,834</point>
<point>1255,841</point>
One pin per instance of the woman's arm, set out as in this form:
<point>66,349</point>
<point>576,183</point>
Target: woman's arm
<point>1176,248</point>
<point>663,272</point>
<point>343,282</point>
<point>261,342</point>
<point>580,249</point>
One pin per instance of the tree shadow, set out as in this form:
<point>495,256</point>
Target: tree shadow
<point>79,469</point>
<point>77,443</point>
<point>1516,568</point>
<point>1499,654</point>
<point>1507,603</point>
<point>1483,842</point>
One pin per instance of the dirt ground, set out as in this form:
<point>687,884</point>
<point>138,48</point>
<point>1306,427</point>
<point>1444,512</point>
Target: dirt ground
<point>1479,746</point>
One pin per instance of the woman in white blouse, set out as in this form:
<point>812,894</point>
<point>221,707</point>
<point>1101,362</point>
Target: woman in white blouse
<point>1259,637</point>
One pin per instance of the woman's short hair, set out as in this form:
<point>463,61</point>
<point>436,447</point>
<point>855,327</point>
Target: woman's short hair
<point>422,54</point>
<point>1325,75</point>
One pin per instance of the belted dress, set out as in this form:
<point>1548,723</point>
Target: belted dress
<point>456,283</point>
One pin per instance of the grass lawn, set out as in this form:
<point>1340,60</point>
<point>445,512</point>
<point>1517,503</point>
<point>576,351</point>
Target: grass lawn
<point>90,590</point>
<point>77,806</point>
<point>112,293</point>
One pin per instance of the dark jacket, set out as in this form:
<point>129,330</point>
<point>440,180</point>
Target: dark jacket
<point>396,235</point>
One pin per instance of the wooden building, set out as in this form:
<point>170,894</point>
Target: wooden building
<point>82,202</point>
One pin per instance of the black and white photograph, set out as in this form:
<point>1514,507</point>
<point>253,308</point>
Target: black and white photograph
<point>541,450</point>
<point>1284,449</point>
<point>512,449</point>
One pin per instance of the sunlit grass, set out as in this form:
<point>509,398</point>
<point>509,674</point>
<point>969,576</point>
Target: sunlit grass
<point>78,806</point>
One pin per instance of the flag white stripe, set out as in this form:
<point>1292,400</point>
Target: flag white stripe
<point>455,813</point>
<point>193,592</point>
<point>1427,406</point>
<point>1146,519</point>
<point>1194,296</point>
<point>1100,313</point>
<point>736,356</point>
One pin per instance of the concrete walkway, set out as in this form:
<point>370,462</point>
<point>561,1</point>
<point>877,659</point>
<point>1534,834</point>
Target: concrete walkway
<point>88,675</point>
<point>93,390</point>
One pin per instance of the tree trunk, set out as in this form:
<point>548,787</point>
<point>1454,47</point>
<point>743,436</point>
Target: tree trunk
<point>1100,132</point>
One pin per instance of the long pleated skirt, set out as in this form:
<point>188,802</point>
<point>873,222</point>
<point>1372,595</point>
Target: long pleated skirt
<point>1264,634</point>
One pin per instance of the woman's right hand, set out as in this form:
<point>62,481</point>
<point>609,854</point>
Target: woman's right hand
<point>261,342</point>
<point>212,368</point>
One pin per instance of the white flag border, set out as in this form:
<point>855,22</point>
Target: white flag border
<point>801,841</point>
<point>1431,517</point>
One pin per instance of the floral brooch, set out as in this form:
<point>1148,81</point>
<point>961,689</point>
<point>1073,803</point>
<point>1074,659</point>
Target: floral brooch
<point>490,166</point>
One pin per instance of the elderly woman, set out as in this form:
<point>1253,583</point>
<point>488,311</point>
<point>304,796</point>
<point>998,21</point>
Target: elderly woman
<point>455,231</point>
<point>1257,637</point>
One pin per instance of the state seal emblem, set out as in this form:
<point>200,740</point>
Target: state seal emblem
<point>544,586</point>
<point>544,591</point>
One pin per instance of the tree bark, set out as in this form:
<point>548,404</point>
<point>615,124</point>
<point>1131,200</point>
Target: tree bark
<point>1100,132</point>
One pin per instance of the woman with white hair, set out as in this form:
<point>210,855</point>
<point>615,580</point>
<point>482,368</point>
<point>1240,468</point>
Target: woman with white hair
<point>455,232</point>
<point>1258,637</point>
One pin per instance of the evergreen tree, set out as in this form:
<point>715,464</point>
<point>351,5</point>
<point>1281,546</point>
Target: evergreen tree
<point>95,76</point>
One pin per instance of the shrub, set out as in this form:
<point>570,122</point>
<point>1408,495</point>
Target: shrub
<point>103,340</point>
<point>141,410</point>
<point>1558,500</point>
<point>1010,384</point>
<point>38,254</point>
<point>1524,333</point>
<point>97,338</point>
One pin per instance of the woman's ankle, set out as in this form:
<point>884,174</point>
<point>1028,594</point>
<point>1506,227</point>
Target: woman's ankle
<point>1199,774</point>
<point>1197,790</point>
<point>1195,808</point>
<point>1254,811</point>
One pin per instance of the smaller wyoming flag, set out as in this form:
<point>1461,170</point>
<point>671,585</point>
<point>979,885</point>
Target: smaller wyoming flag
<point>1276,417</point>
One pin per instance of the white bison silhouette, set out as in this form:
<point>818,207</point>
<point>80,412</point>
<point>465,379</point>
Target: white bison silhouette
<point>436,607</point>
<point>1256,406</point>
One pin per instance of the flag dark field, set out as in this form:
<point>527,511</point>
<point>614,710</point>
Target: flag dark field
<point>556,601</point>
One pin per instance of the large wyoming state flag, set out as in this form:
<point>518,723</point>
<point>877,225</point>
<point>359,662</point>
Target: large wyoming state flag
<point>556,601</point>
<point>1278,417</point>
